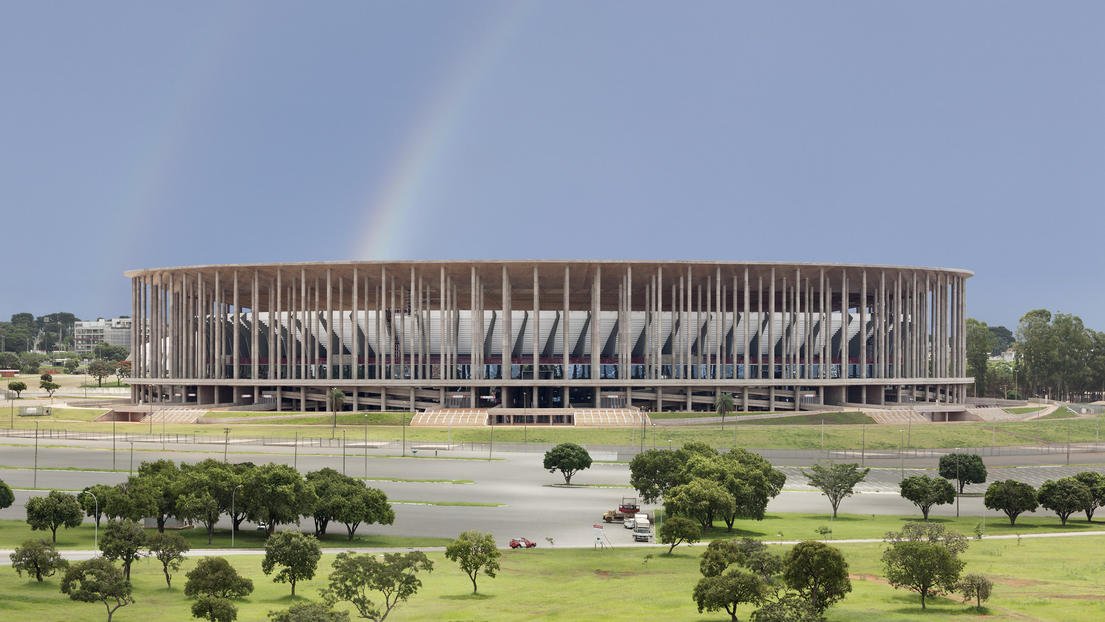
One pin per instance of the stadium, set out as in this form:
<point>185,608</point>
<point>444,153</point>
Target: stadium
<point>529,341</point>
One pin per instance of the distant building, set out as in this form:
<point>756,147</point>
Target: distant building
<point>114,331</point>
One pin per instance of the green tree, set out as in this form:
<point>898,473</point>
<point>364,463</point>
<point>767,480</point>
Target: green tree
<point>700,499</point>
<point>925,491</point>
<point>71,365</point>
<point>475,552</point>
<point>395,578</point>
<point>123,540</point>
<point>108,352</point>
<point>18,386</point>
<point>655,471</point>
<point>7,497</point>
<point>100,369</point>
<point>818,573</point>
<point>37,558</point>
<point>214,609</point>
<point>1002,339</point>
<point>123,370</point>
<point>1064,497</point>
<point>787,607</point>
<point>97,580</point>
<point>57,509</point>
<point>723,405</point>
<point>330,488</point>
<point>729,590</point>
<point>200,506</point>
<point>214,576</point>
<point>92,500</point>
<point>924,557</point>
<point>296,552</point>
<point>169,549</point>
<point>976,587</point>
<point>308,612</point>
<point>276,494</point>
<point>132,499</point>
<point>1094,482</point>
<point>1011,497</point>
<point>568,458</point>
<point>836,481</point>
<point>980,341</point>
<point>364,505</point>
<point>677,530</point>
<point>49,387</point>
<point>964,468</point>
<point>161,478</point>
<point>752,555</point>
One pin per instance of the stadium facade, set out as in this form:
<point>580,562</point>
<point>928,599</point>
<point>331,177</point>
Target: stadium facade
<point>658,335</point>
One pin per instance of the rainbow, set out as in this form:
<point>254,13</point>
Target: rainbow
<point>392,214</point>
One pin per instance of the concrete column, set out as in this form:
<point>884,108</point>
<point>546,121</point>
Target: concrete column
<point>771,340</point>
<point>236,346</point>
<point>565,325</point>
<point>745,320</point>
<point>508,330</point>
<point>254,342</point>
<point>596,310</point>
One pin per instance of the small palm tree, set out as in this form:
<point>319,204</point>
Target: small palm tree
<point>336,399</point>
<point>724,405</point>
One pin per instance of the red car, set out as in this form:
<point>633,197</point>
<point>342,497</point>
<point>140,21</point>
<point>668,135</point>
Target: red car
<point>522,543</point>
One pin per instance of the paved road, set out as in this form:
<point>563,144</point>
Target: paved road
<point>532,505</point>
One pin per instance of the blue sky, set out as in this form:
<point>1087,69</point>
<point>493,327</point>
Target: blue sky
<point>968,135</point>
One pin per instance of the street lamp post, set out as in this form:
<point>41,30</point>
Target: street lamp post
<point>233,493</point>
<point>35,484</point>
<point>95,523</point>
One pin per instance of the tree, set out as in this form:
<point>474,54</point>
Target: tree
<point>160,478</point>
<point>677,530</point>
<point>723,405</point>
<point>71,366</point>
<point>394,577</point>
<point>1003,339</point>
<point>214,609</point>
<point>750,554</point>
<point>97,580</point>
<point>49,387</point>
<point>276,494</point>
<point>1093,481</point>
<point>568,458</point>
<point>475,552</point>
<point>330,488</point>
<point>169,549</point>
<point>964,468</point>
<point>38,559</point>
<point>976,587</point>
<point>335,398</point>
<point>818,573</point>
<point>214,576</point>
<point>123,540</point>
<point>296,552</point>
<point>1011,497</point>
<point>131,499</point>
<point>18,386</point>
<point>108,352</point>
<point>700,499</point>
<point>788,607</point>
<point>100,369</point>
<point>655,471</point>
<point>980,341</point>
<point>364,505</point>
<point>729,590</point>
<point>925,491</point>
<point>122,370</point>
<point>1064,497</point>
<point>7,497</point>
<point>206,490</point>
<point>92,500</point>
<point>200,506</point>
<point>55,510</point>
<point>308,612</point>
<point>924,557</point>
<point>836,481</point>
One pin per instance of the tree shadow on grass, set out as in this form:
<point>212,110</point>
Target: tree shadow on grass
<point>472,597</point>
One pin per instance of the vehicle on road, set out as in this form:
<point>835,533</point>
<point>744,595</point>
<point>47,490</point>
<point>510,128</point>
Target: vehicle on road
<point>630,523</point>
<point>522,543</point>
<point>628,508</point>
<point>642,530</point>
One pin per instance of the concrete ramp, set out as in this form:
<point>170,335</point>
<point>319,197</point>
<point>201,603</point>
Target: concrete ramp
<point>448,417</point>
<point>897,417</point>
<point>610,417</point>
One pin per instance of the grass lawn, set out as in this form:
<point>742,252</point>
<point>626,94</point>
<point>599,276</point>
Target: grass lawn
<point>14,532</point>
<point>1063,412</point>
<point>757,434</point>
<point>1062,583</point>
<point>1023,410</point>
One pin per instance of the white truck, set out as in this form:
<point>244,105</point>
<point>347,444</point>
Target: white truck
<point>642,530</point>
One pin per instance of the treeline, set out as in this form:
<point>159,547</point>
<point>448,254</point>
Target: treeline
<point>1056,356</point>
<point>25,332</point>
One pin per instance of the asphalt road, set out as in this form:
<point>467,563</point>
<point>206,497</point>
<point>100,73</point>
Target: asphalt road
<point>531,502</point>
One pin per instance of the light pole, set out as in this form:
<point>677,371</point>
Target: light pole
<point>113,442</point>
<point>233,493</point>
<point>901,457</point>
<point>95,523</point>
<point>35,484</point>
<point>226,443</point>
<point>131,458</point>
<point>958,486</point>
